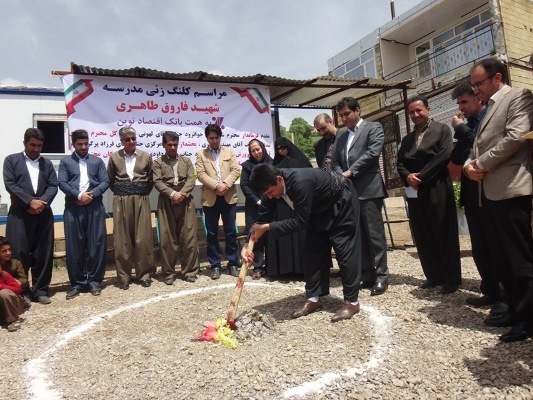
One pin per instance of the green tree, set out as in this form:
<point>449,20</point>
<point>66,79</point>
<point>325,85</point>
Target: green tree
<point>304,136</point>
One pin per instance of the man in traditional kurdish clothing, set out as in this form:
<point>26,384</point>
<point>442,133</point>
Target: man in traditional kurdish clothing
<point>32,183</point>
<point>130,177</point>
<point>83,179</point>
<point>174,179</point>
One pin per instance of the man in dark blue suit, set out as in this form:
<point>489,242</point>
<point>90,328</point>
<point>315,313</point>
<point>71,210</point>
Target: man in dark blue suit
<point>83,178</point>
<point>32,183</point>
<point>356,156</point>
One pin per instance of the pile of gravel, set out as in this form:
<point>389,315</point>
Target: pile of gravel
<point>253,324</point>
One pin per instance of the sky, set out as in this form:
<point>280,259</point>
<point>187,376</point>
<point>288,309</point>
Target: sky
<point>287,38</point>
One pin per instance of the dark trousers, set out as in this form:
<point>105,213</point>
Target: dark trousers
<point>340,230</point>
<point>373,242</point>
<point>251,213</point>
<point>86,244</point>
<point>228,212</point>
<point>511,235</point>
<point>479,227</point>
<point>434,225</point>
<point>32,241</point>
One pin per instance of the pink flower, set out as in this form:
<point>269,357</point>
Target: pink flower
<point>209,332</point>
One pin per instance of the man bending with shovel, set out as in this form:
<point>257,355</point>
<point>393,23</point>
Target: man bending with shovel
<point>326,205</point>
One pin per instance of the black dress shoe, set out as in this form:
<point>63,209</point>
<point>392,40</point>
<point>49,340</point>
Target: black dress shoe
<point>500,320</point>
<point>429,285</point>
<point>449,289</point>
<point>379,288</point>
<point>485,300</point>
<point>215,273</point>
<point>74,292</point>
<point>96,290</point>
<point>146,283</point>
<point>518,333</point>
<point>499,308</point>
<point>169,280</point>
<point>123,285</point>
<point>366,285</point>
<point>233,270</point>
<point>190,278</point>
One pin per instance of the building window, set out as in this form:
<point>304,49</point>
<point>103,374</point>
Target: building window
<point>55,132</point>
<point>455,47</point>
<point>360,67</point>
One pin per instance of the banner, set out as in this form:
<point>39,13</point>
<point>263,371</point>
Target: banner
<point>102,105</point>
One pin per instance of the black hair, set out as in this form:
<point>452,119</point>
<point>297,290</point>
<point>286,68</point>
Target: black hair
<point>263,177</point>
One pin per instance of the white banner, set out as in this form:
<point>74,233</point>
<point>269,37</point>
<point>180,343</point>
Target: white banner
<point>102,105</point>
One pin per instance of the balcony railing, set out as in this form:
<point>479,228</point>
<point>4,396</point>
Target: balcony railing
<point>448,58</point>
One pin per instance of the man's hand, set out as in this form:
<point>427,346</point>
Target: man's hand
<point>258,230</point>
<point>474,172</point>
<point>457,120</point>
<point>347,174</point>
<point>413,180</point>
<point>85,198</point>
<point>37,206</point>
<point>221,189</point>
<point>247,256</point>
<point>178,198</point>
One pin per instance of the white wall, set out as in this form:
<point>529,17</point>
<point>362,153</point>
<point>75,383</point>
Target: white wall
<point>16,114</point>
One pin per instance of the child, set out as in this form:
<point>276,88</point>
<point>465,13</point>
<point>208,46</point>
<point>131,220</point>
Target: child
<point>15,269</point>
<point>10,303</point>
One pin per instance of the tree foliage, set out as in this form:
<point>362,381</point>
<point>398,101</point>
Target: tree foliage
<point>302,134</point>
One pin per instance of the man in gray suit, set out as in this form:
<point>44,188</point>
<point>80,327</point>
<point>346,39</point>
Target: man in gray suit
<point>356,156</point>
<point>501,163</point>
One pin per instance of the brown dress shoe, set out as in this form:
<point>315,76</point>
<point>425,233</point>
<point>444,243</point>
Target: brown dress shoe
<point>307,308</point>
<point>347,311</point>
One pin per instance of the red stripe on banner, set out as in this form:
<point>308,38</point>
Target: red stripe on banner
<point>80,97</point>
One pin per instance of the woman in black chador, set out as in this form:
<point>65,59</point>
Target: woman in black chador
<point>258,155</point>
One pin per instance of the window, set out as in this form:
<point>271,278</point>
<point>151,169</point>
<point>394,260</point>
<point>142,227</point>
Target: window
<point>455,47</point>
<point>362,66</point>
<point>55,132</point>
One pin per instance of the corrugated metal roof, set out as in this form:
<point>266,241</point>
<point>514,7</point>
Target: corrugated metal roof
<point>320,92</point>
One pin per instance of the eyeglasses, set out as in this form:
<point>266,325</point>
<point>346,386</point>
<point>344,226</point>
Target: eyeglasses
<point>477,84</point>
<point>281,148</point>
<point>130,139</point>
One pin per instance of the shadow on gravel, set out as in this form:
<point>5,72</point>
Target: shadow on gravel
<point>504,365</point>
<point>283,309</point>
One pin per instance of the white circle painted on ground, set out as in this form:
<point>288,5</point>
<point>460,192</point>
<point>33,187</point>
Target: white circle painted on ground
<point>41,387</point>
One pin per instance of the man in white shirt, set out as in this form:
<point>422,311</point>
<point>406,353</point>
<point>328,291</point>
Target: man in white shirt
<point>32,183</point>
<point>130,179</point>
<point>83,178</point>
<point>501,163</point>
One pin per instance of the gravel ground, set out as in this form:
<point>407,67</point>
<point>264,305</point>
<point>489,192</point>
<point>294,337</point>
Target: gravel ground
<point>141,344</point>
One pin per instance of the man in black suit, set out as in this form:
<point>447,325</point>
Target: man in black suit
<point>83,178</point>
<point>32,183</point>
<point>471,108</point>
<point>356,157</point>
<point>324,146</point>
<point>326,206</point>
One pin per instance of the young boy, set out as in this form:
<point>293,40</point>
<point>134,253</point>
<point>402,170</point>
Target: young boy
<point>10,303</point>
<point>15,269</point>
